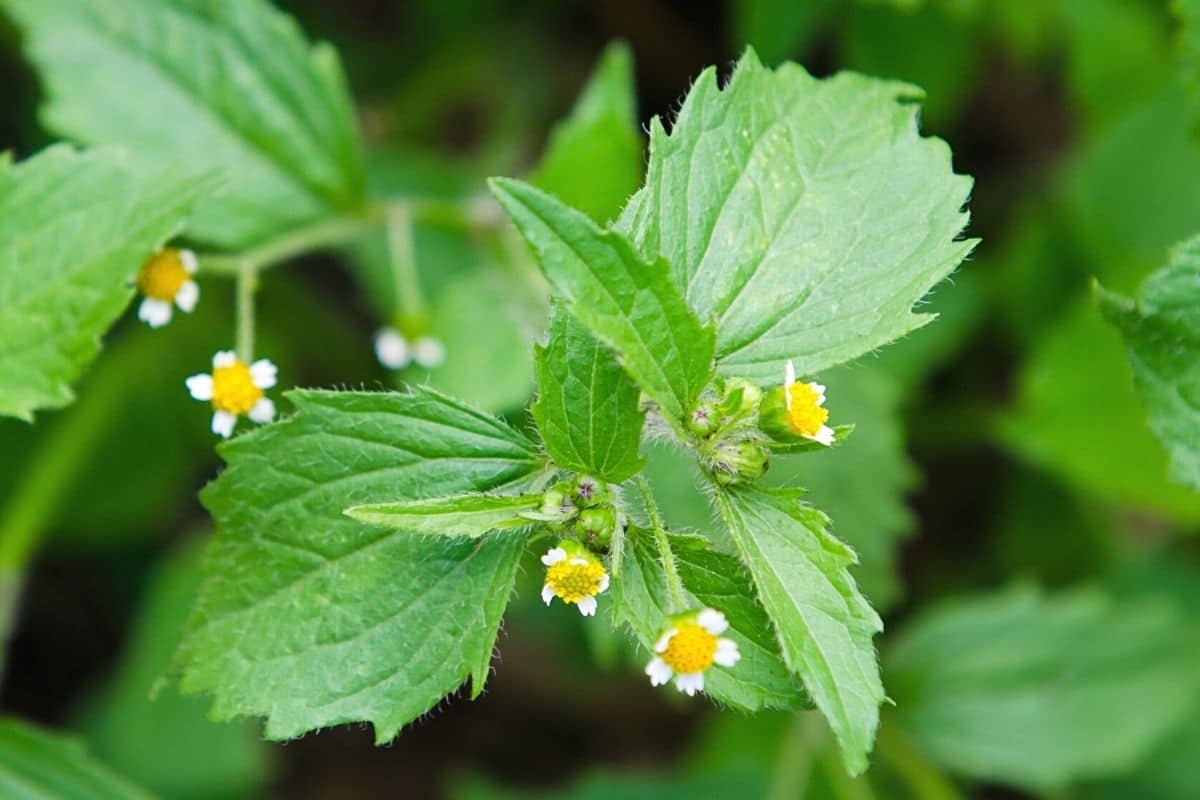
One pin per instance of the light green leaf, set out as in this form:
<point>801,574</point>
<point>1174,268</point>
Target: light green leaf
<point>1162,340</point>
<point>714,579</point>
<point>823,624</point>
<point>804,216</point>
<point>311,619</point>
<point>587,408</point>
<point>75,228</point>
<point>224,85</point>
<point>1042,692</point>
<point>629,304</point>
<point>164,742</point>
<point>593,161</point>
<point>36,765</point>
<point>461,515</point>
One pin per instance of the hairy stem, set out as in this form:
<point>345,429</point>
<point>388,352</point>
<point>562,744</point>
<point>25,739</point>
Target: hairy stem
<point>664,544</point>
<point>247,285</point>
<point>796,756</point>
<point>408,299</point>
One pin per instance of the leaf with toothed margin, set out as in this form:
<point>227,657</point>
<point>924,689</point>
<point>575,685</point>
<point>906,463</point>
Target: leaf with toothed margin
<point>805,217</point>
<point>459,515</point>
<point>310,618</point>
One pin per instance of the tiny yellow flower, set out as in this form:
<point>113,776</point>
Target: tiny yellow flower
<point>166,278</point>
<point>235,389</point>
<point>805,413</point>
<point>574,575</point>
<point>689,647</point>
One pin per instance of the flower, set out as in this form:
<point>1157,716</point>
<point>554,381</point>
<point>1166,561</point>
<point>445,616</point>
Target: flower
<point>166,278</point>
<point>235,389</point>
<point>689,647</point>
<point>574,575</point>
<point>804,403</point>
<point>396,352</point>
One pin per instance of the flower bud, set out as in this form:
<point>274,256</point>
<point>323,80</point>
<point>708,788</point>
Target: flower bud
<point>741,397</point>
<point>589,491</point>
<point>704,420</point>
<point>773,416</point>
<point>598,524</point>
<point>556,505</point>
<point>738,462</point>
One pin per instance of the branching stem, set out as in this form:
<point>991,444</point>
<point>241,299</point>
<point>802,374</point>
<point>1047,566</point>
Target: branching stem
<point>664,544</point>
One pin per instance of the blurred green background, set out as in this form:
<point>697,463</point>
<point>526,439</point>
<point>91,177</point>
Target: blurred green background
<point>1037,571</point>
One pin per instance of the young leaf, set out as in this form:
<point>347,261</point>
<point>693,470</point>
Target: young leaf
<point>824,625</point>
<point>75,228</point>
<point>310,618</point>
<point>587,407</point>
<point>1043,691</point>
<point>804,216</point>
<point>37,764</point>
<point>712,578</point>
<point>462,515</point>
<point>629,304</point>
<point>1162,340</point>
<point>226,85</point>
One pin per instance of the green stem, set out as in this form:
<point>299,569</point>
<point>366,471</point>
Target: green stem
<point>796,756</point>
<point>408,300</point>
<point>10,600</point>
<point>842,785</point>
<point>327,233</point>
<point>247,285</point>
<point>925,781</point>
<point>664,544</point>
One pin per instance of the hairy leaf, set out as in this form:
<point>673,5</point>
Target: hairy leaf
<point>823,624</point>
<point>460,515</point>
<point>310,618</point>
<point>36,764</point>
<point>804,216</point>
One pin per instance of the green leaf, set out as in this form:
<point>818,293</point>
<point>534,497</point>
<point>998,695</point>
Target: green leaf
<point>311,619</point>
<point>462,515</point>
<point>75,227</point>
<point>225,85</point>
<point>823,624</point>
<point>164,742</point>
<point>36,764</point>
<point>593,160</point>
<point>1042,691</point>
<point>1162,340</point>
<point>629,304</point>
<point>804,216</point>
<point>714,579</point>
<point>587,408</point>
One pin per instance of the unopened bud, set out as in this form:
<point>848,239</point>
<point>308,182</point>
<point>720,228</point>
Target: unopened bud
<point>739,462</point>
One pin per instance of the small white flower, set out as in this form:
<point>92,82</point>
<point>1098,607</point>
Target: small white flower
<point>689,647</point>
<point>805,412</point>
<point>235,389</point>
<point>574,575</point>
<point>166,278</point>
<point>429,352</point>
<point>396,352</point>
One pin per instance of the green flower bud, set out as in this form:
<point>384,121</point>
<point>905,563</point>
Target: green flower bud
<point>589,491</point>
<point>741,397</point>
<point>704,420</point>
<point>598,524</point>
<point>738,462</point>
<point>556,504</point>
<point>773,416</point>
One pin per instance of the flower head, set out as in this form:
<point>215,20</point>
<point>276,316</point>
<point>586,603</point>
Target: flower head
<point>396,352</point>
<point>235,389</point>
<point>688,647</point>
<point>804,403</point>
<point>166,278</point>
<point>573,575</point>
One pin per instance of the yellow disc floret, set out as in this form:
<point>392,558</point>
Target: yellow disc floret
<point>572,581</point>
<point>233,389</point>
<point>162,275</point>
<point>690,649</point>
<point>804,414</point>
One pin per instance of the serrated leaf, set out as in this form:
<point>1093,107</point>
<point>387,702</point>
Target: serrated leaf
<point>823,624</point>
<point>462,515</point>
<point>227,85</point>
<point>840,434</point>
<point>587,408</point>
<point>805,217</point>
<point>36,764</point>
<point>641,600</point>
<point>311,619</point>
<point>627,303</point>
<point>1162,340</point>
<point>75,228</point>
<point>1043,691</point>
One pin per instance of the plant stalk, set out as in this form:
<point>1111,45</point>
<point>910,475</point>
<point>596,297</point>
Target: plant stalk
<point>664,544</point>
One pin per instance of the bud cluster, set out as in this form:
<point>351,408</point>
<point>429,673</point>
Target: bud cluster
<point>584,506</point>
<point>726,432</point>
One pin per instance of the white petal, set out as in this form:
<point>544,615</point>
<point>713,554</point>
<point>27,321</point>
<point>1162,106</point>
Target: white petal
<point>222,423</point>
<point>224,358</point>
<point>789,377</point>
<point>659,671</point>
<point>690,683</point>
<point>200,386</point>
<point>665,640</point>
<point>587,606</point>
<point>188,259</point>
<point>712,621</point>
<point>187,296</point>
<point>391,349</point>
<point>547,594</point>
<point>262,373</point>
<point>824,436</point>
<point>263,411</point>
<point>429,352</point>
<point>603,584</point>
<point>727,653</point>
<point>154,313</point>
<point>579,562</point>
<point>553,556</point>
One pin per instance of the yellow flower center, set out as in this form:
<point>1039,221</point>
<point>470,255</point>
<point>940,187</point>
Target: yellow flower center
<point>573,582</point>
<point>162,275</point>
<point>234,390</point>
<point>805,416</point>
<point>691,649</point>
